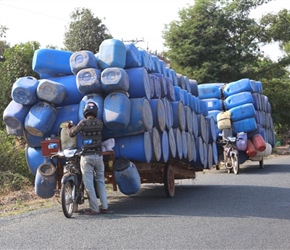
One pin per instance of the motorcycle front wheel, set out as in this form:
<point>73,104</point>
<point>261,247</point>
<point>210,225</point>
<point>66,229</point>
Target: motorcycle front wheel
<point>67,201</point>
<point>235,164</point>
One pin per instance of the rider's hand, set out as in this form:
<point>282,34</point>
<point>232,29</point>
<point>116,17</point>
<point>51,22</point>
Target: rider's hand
<point>70,124</point>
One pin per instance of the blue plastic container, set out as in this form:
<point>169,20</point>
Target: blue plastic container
<point>178,141</point>
<point>168,112</point>
<point>114,79</point>
<point>82,59</point>
<point>51,91</point>
<point>117,111</point>
<point>89,81</point>
<point>151,81</point>
<point>73,95</point>
<point>112,53</point>
<point>96,98</point>
<point>163,86</point>
<point>212,103</point>
<point>40,119</point>
<point>203,108</point>
<point>242,112</point>
<point>164,146</point>
<point>158,113</point>
<point>211,129</point>
<point>242,85</point>
<point>189,123</point>
<point>162,67</point>
<point>156,85</point>
<point>14,116</point>
<point>24,90</point>
<point>170,89</point>
<point>215,153</point>
<point>174,77</point>
<point>51,62</point>
<point>200,154</point>
<point>156,144</point>
<point>179,119</point>
<point>209,90</point>
<point>139,83</point>
<point>245,125</point>
<point>133,58</point>
<point>127,176</point>
<point>145,61</point>
<point>209,156</point>
<point>134,147</point>
<point>180,81</point>
<point>185,97</point>
<point>242,141</point>
<point>202,127</point>
<point>184,144</point>
<point>192,153</point>
<point>194,124</point>
<point>34,158</point>
<point>157,68</point>
<point>187,84</point>
<point>45,180</point>
<point>193,87</point>
<point>238,99</point>
<point>172,144</point>
<point>178,93</point>
<point>141,120</point>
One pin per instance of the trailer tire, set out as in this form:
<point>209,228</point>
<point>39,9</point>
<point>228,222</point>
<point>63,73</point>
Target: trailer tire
<point>169,181</point>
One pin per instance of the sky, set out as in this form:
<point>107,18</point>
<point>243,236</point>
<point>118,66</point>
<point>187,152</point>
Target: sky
<point>45,21</point>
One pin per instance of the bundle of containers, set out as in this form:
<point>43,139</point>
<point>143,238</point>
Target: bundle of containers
<point>152,112</point>
<point>241,108</point>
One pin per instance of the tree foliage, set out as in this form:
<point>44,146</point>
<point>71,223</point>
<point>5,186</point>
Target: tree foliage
<point>85,32</point>
<point>218,41</point>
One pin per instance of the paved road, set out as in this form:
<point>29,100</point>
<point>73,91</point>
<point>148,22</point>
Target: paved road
<point>217,210</point>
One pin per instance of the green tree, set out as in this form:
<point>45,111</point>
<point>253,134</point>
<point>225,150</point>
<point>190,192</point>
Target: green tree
<point>85,32</point>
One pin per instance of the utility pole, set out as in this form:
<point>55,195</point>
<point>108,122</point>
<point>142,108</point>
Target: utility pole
<point>134,41</point>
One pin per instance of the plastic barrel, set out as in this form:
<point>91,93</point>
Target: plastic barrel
<point>141,120</point>
<point>259,142</point>
<point>51,91</point>
<point>200,158</point>
<point>163,86</point>
<point>174,77</point>
<point>211,129</point>
<point>190,151</point>
<point>168,112</point>
<point>96,98</point>
<point>158,113</point>
<point>81,60</point>
<point>156,63</point>
<point>156,144</point>
<point>193,87</point>
<point>156,85</point>
<point>151,81</point>
<point>45,180</point>
<point>251,151</point>
<point>209,90</point>
<point>179,144</point>
<point>214,153</point>
<point>213,103</point>
<point>203,108</point>
<point>209,156</point>
<point>112,53</point>
<point>180,81</point>
<point>134,147</point>
<point>245,125</point>
<point>184,144</point>
<point>114,79</point>
<point>172,143</point>
<point>242,112</point>
<point>51,62</point>
<point>170,89</point>
<point>194,124</point>
<point>238,99</point>
<point>139,83</point>
<point>179,96</point>
<point>89,81</point>
<point>201,126</point>
<point>73,95</point>
<point>189,119</point>
<point>179,119</point>
<point>24,90</point>
<point>40,118</point>
<point>34,158</point>
<point>133,58</point>
<point>242,85</point>
<point>127,176</point>
<point>164,146</point>
<point>193,153</point>
<point>117,111</point>
<point>14,116</point>
<point>241,142</point>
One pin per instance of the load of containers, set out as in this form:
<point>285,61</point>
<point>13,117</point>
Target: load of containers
<point>152,112</point>
<point>241,109</point>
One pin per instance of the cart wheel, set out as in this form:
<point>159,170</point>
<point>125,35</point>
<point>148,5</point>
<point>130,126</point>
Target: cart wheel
<point>261,163</point>
<point>169,181</point>
<point>235,164</point>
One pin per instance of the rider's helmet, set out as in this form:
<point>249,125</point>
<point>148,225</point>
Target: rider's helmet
<point>90,109</point>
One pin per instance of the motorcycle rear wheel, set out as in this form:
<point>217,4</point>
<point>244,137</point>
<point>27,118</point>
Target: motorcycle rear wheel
<point>235,164</point>
<point>67,203</point>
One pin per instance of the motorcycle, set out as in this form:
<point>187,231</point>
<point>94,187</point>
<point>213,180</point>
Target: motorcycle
<point>231,155</point>
<point>72,187</point>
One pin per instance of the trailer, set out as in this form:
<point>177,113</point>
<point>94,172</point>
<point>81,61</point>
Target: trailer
<point>154,172</point>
